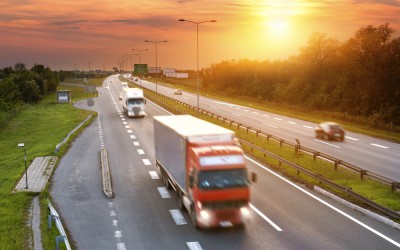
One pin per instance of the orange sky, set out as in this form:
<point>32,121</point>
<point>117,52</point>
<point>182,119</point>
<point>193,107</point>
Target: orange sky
<point>60,33</point>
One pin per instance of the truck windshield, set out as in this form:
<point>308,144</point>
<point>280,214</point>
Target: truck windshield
<point>219,179</point>
<point>135,101</point>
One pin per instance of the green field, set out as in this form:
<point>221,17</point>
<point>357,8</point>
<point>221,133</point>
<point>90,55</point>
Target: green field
<point>41,127</point>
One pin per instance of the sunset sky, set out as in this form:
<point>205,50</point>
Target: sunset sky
<point>62,33</point>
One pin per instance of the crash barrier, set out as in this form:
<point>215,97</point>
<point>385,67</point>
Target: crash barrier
<point>321,179</point>
<point>58,146</point>
<point>297,146</point>
<point>53,216</point>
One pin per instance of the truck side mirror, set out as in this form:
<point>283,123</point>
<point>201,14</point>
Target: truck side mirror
<point>253,177</point>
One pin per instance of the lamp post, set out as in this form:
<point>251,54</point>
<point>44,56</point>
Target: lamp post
<point>130,56</point>
<point>89,74</point>
<point>140,53</point>
<point>75,73</point>
<point>155,43</point>
<point>22,145</point>
<point>197,38</point>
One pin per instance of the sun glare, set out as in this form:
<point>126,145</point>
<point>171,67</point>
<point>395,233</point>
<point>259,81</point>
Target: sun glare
<point>278,27</point>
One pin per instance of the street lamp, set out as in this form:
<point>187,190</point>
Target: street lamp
<point>22,145</point>
<point>197,32</point>
<point>140,53</point>
<point>155,43</point>
<point>75,73</point>
<point>130,55</point>
<point>89,74</point>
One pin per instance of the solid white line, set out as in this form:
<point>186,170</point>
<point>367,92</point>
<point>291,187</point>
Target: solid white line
<point>379,146</point>
<point>351,138</point>
<point>327,143</point>
<point>326,204</point>
<point>265,218</point>
<point>272,126</point>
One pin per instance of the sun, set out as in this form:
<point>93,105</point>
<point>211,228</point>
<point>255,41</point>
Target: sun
<point>278,27</point>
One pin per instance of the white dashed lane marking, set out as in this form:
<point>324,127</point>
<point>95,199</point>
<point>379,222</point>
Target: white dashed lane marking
<point>177,216</point>
<point>154,175</point>
<point>140,151</point>
<point>269,125</point>
<point>379,146</point>
<point>164,193</point>
<point>146,162</point>
<point>195,245</point>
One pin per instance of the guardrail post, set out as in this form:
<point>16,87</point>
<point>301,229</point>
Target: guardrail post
<point>297,147</point>
<point>362,173</point>
<point>315,154</point>
<point>394,186</point>
<point>239,125</point>
<point>247,130</point>
<point>268,136</point>
<point>281,142</point>
<point>59,239</point>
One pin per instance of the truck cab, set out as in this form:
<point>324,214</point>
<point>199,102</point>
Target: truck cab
<point>133,102</point>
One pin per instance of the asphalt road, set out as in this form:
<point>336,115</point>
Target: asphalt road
<point>369,153</point>
<point>144,215</point>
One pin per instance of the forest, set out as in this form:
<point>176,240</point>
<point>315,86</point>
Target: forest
<point>358,78</point>
<point>20,85</point>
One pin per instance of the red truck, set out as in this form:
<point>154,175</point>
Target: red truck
<point>205,165</point>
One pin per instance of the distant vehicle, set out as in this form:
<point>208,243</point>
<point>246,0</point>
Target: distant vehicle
<point>330,131</point>
<point>177,92</point>
<point>203,163</point>
<point>124,85</point>
<point>133,102</point>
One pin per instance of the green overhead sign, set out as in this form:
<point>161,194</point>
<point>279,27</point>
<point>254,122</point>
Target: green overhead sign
<point>140,68</point>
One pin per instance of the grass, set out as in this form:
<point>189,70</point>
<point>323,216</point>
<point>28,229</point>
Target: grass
<point>373,190</point>
<point>40,127</point>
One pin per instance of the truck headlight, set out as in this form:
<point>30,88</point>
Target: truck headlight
<point>205,215</point>
<point>245,212</point>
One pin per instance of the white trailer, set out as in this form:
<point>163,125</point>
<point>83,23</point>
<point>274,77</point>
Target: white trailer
<point>133,102</point>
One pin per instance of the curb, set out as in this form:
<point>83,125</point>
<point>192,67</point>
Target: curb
<point>359,209</point>
<point>106,174</point>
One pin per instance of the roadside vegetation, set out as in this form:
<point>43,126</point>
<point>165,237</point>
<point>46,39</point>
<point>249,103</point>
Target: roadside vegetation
<point>40,125</point>
<point>355,83</point>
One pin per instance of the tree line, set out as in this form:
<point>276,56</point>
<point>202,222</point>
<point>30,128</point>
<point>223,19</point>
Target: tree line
<point>20,85</point>
<point>358,77</point>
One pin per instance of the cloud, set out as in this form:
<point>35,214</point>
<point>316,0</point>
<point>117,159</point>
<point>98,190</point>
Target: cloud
<point>384,2</point>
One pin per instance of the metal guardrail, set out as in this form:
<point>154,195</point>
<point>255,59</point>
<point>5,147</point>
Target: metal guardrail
<point>70,133</point>
<point>53,216</point>
<point>297,146</point>
<point>321,179</point>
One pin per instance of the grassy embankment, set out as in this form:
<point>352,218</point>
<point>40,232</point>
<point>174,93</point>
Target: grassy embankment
<point>374,190</point>
<point>40,126</point>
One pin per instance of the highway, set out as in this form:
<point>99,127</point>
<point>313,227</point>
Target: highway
<point>369,153</point>
<point>144,215</point>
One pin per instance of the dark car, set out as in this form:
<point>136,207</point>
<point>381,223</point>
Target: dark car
<point>330,131</point>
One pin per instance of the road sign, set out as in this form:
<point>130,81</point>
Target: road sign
<point>140,68</point>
